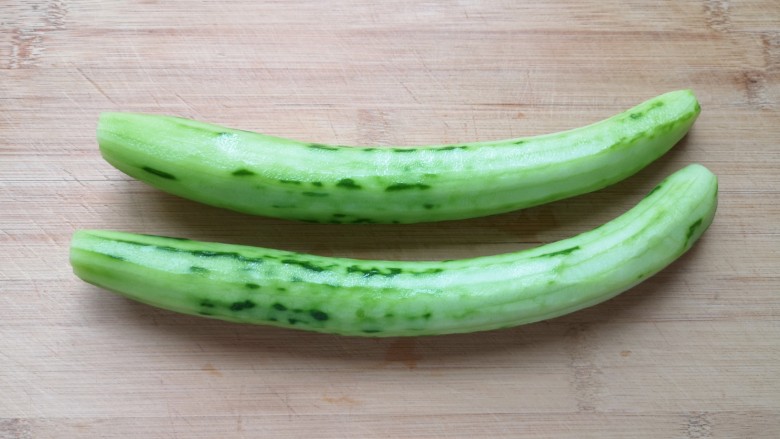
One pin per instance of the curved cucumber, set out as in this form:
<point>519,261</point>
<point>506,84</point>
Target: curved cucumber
<point>391,298</point>
<point>263,175</point>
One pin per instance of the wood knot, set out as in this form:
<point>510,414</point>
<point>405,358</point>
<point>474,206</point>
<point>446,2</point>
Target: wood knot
<point>754,84</point>
<point>770,43</point>
<point>698,426</point>
<point>717,15</point>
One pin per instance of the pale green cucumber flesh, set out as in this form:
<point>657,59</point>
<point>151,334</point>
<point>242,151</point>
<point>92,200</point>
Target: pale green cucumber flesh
<point>403,298</point>
<point>271,176</point>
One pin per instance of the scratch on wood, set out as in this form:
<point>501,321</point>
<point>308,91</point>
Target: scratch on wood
<point>95,85</point>
<point>240,425</point>
<point>330,122</point>
<point>408,90</point>
<point>195,113</point>
<point>285,399</point>
<point>372,127</point>
<point>427,69</point>
<point>171,419</point>
<point>586,375</point>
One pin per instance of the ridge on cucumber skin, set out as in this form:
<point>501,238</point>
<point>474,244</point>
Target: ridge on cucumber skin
<point>403,298</point>
<point>265,175</point>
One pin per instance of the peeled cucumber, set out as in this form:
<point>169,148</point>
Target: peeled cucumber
<point>271,176</point>
<point>403,298</point>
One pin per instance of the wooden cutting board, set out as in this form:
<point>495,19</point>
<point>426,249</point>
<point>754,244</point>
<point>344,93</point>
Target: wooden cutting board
<point>694,352</point>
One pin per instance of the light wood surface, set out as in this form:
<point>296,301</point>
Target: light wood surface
<point>694,352</point>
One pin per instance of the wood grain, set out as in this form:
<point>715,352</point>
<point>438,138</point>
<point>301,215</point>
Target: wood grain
<point>694,352</point>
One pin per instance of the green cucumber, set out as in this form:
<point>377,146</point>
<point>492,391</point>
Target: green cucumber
<point>393,298</point>
<point>264,175</point>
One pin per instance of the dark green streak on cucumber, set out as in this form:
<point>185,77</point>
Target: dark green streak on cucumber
<point>322,147</point>
<point>428,271</point>
<point>240,306</point>
<point>166,237</point>
<point>243,173</point>
<point>159,173</point>
<point>559,252</point>
<point>348,183</point>
<point>200,253</point>
<point>404,186</point>
<point>388,272</point>
<point>318,315</point>
<point>305,264</point>
<point>691,230</point>
<point>653,191</point>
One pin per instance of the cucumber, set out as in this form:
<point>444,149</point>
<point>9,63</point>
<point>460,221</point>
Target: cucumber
<point>271,176</point>
<point>394,298</point>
